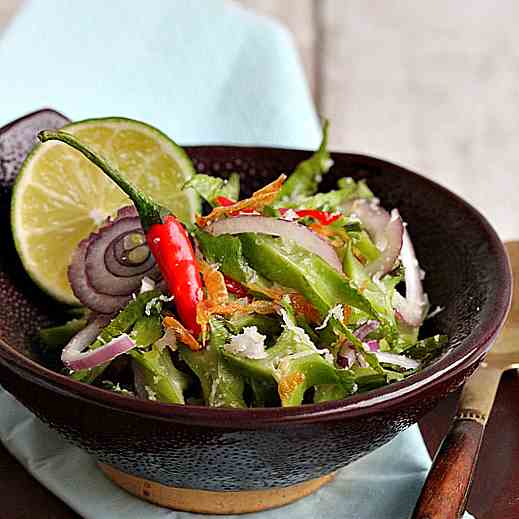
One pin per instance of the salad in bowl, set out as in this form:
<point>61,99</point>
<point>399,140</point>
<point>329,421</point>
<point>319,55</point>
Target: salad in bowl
<point>286,297</point>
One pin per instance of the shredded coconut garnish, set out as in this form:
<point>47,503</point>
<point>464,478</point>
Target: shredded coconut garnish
<point>299,333</point>
<point>328,356</point>
<point>155,304</point>
<point>116,388</point>
<point>286,319</point>
<point>327,163</point>
<point>337,312</point>
<point>151,394</point>
<point>434,312</point>
<point>289,215</point>
<point>249,344</point>
<point>147,284</point>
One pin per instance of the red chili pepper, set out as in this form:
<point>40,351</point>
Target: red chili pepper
<point>324,217</point>
<point>166,236</point>
<point>226,202</point>
<point>235,288</point>
<point>172,249</point>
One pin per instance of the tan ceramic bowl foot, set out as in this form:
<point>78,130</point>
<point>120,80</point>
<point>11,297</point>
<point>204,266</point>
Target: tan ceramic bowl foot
<point>209,502</point>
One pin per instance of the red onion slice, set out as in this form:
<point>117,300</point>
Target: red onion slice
<point>83,339</point>
<point>346,355</point>
<point>373,345</point>
<point>373,217</point>
<point>391,236</point>
<point>96,301</point>
<point>108,266</point>
<point>385,230</point>
<point>76,359</point>
<point>365,329</point>
<point>413,306</point>
<point>389,254</point>
<point>116,258</point>
<point>397,360</point>
<point>275,227</point>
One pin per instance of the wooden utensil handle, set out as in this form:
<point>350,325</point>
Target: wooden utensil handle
<point>446,488</point>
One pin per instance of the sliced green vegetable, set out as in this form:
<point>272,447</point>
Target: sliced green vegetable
<point>290,265</point>
<point>265,393</point>
<point>147,330</point>
<point>331,200</point>
<point>393,375</point>
<point>222,386</point>
<point>122,323</point>
<point>341,330</point>
<point>297,375</point>
<point>379,294</point>
<point>306,177</point>
<point>358,189</point>
<point>231,187</point>
<point>346,387</point>
<point>226,252</point>
<point>56,337</point>
<point>206,186</point>
<point>303,323</point>
<point>322,201</point>
<point>367,379</point>
<point>268,326</point>
<point>293,362</point>
<point>210,188</point>
<point>162,380</point>
<point>428,349</point>
<point>126,318</point>
<point>365,246</point>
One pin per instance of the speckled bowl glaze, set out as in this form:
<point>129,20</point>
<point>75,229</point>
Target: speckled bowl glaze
<point>226,449</point>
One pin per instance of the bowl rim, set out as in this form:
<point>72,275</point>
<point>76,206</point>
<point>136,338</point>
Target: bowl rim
<point>397,394</point>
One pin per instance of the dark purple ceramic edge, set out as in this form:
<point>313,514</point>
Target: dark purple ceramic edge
<point>423,383</point>
<point>29,116</point>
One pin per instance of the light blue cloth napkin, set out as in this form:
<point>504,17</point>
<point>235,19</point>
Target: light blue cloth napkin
<point>203,71</point>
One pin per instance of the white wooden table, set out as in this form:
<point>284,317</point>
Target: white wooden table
<point>433,86</point>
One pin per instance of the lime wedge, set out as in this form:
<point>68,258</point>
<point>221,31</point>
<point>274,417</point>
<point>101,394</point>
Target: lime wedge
<point>59,197</point>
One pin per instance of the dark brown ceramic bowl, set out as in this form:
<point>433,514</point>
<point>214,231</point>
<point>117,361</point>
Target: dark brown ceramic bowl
<point>228,449</point>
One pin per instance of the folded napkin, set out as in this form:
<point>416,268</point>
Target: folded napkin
<point>204,72</point>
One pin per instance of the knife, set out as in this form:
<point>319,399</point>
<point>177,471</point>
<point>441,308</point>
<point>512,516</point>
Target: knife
<point>447,486</point>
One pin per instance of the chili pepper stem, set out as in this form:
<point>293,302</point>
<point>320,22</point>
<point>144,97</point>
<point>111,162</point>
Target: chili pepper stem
<point>149,212</point>
<point>166,236</point>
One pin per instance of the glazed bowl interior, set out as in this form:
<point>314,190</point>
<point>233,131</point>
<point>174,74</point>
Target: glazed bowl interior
<point>467,276</point>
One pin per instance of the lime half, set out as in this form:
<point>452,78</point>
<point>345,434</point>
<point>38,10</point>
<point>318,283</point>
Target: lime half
<point>59,197</point>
